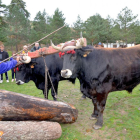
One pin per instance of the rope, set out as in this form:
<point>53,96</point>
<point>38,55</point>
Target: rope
<point>46,81</point>
<point>52,85</point>
<point>33,44</point>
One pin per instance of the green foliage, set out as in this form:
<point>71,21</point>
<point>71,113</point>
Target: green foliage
<point>40,27</point>
<point>96,29</point>
<point>126,21</point>
<point>17,29</point>
<point>77,28</point>
<point>2,8</point>
<point>2,22</point>
<point>18,24</point>
<point>56,22</point>
<point>22,6</point>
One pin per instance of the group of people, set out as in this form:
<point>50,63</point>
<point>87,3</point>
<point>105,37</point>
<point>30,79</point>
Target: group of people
<point>7,65</point>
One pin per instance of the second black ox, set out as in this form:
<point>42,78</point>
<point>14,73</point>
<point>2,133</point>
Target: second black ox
<point>35,71</point>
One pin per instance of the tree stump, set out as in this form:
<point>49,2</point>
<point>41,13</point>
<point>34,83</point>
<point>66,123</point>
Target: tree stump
<point>20,107</point>
<point>29,130</point>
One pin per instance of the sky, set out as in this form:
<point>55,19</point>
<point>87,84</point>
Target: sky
<point>85,8</point>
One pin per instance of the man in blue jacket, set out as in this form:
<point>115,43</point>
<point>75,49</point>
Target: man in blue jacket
<point>6,66</point>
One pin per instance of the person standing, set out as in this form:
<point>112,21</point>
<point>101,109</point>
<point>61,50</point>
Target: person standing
<point>36,47</point>
<point>25,51</point>
<point>13,69</point>
<point>3,55</point>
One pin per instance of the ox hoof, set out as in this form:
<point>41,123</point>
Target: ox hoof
<point>93,117</point>
<point>83,97</point>
<point>97,127</point>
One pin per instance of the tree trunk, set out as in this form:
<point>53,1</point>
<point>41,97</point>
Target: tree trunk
<point>92,43</point>
<point>29,130</point>
<point>107,43</point>
<point>20,107</point>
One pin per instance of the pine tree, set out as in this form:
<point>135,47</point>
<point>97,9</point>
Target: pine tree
<point>125,19</point>
<point>18,24</point>
<point>2,22</point>
<point>56,22</point>
<point>77,28</point>
<point>22,6</point>
<point>95,29</point>
<point>40,27</point>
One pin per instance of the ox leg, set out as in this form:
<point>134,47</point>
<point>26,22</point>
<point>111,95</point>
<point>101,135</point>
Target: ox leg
<point>94,115</point>
<point>101,102</point>
<point>83,97</point>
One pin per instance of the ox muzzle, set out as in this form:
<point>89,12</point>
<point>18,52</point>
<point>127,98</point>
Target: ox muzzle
<point>19,82</point>
<point>66,73</point>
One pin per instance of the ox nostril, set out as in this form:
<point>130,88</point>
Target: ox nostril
<point>19,82</point>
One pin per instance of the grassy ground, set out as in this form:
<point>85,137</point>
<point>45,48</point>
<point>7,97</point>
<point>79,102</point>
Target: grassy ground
<point>121,116</point>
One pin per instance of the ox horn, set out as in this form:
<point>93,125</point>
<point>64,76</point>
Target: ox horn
<point>55,47</point>
<point>67,48</point>
<point>79,43</point>
<point>25,59</point>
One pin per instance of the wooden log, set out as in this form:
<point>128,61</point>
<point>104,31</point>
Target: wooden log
<point>20,107</point>
<point>29,130</point>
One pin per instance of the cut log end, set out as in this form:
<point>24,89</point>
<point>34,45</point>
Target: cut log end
<point>29,130</point>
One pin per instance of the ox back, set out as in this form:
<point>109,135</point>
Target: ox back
<point>35,71</point>
<point>103,71</point>
<point>118,68</point>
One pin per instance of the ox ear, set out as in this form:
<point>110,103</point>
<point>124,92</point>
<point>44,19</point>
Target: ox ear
<point>85,52</point>
<point>32,64</point>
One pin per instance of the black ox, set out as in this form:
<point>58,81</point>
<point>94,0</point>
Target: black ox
<point>101,71</point>
<point>35,71</point>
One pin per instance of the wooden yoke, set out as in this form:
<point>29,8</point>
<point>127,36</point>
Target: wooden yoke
<point>48,51</point>
<point>42,51</point>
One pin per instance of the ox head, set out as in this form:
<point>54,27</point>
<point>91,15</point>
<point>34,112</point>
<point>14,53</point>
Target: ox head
<point>24,73</point>
<point>72,58</point>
